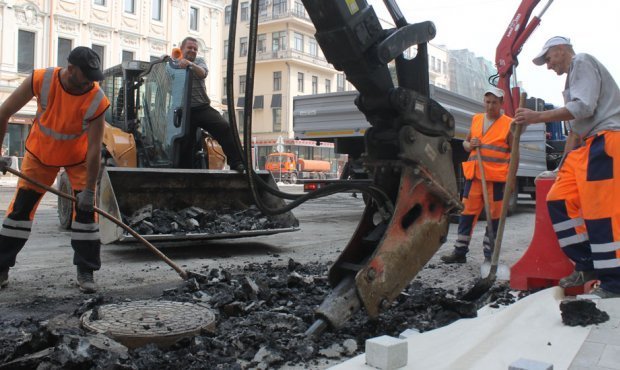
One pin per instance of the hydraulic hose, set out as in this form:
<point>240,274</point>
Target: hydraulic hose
<point>254,181</point>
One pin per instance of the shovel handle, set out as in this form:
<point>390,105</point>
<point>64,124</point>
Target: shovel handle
<point>485,197</point>
<point>105,214</point>
<point>508,189</point>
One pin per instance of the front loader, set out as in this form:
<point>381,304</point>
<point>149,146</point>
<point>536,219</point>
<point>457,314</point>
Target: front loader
<point>156,163</point>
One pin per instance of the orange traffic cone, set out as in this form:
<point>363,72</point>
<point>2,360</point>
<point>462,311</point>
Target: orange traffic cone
<point>543,264</point>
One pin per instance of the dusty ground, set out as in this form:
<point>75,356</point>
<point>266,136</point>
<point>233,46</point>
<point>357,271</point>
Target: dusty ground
<point>42,287</point>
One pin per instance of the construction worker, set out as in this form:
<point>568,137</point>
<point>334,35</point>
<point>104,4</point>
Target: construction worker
<point>203,115</point>
<point>489,134</point>
<point>581,202</point>
<point>67,132</point>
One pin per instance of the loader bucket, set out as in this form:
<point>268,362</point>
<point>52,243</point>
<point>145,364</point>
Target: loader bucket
<point>123,191</point>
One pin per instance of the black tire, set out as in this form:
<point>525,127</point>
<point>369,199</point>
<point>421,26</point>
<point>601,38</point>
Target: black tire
<point>293,178</point>
<point>65,206</point>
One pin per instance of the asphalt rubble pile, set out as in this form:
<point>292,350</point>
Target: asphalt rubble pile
<point>262,312</point>
<point>149,221</point>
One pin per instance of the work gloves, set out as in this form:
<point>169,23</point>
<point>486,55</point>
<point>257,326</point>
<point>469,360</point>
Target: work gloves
<point>5,162</point>
<point>86,200</point>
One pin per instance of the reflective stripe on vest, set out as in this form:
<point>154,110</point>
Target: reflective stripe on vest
<point>494,149</point>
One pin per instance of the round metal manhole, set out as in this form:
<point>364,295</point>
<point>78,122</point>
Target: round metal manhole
<point>138,323</point>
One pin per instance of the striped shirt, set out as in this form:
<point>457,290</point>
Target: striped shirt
<point>199,91</point>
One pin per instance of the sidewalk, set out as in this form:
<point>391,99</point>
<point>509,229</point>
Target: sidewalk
<point>8,180</point>
<point>530,328</point>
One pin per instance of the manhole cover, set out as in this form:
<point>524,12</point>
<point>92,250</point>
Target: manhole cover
<point>141,322</point>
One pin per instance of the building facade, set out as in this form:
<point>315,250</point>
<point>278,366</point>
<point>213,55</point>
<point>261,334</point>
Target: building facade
<point>41,33</point>
<point>289,62</point>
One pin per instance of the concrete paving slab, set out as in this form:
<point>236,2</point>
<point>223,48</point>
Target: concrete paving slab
<point>530,328</point>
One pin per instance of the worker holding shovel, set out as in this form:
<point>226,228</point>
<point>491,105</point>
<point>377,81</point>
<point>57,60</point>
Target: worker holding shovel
<point>67,132</point>
<point>485,173</point>
<point>582,202</point>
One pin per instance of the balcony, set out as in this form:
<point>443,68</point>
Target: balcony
<point>269,15</point>
<point>294,55</point>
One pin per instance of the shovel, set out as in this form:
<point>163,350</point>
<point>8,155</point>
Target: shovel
<point>483,285</point>
<point>485,267</point>
<point>185,275</point>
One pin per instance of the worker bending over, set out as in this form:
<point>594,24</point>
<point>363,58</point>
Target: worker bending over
<point>67,132</point>
<point>582,202</point>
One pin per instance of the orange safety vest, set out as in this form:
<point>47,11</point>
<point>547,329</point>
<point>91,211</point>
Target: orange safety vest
<point>58,134</point>
<point>494,149</point>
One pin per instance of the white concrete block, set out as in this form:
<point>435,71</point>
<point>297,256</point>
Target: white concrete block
<point>386,353</point>
<point>408,333</point>
<point>527,364</point>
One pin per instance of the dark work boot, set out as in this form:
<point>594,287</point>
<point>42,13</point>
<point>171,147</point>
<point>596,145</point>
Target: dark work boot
<point>85,280</point>
<point>577,278</point>
<point>454,257</point>
<point>4,278</point>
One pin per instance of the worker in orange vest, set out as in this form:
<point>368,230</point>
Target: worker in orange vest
<point>489,134</point>
<point>582,204</point>
<point>67,132</point>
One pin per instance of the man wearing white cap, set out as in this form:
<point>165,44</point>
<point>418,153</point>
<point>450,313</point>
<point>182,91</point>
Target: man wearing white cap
<point>582,202</point>
<point>489,135</point>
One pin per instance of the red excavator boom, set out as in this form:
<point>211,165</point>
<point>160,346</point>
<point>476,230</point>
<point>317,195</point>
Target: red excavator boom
<point>509,47</point>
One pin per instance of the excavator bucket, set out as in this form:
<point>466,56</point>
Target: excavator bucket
<point>179,205</point>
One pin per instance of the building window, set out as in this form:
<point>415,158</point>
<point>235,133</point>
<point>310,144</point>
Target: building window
<point>261,43</point>
<point>245,11</point>
<point>277,81</point>
<point>339,82</point>
<point>262,8</point>
<point>278,41</point>
<point>64,48</point>
<point>243,46</point>
<point>299,9</point>
<point>100,50</point>
<point>312,47</point>
<point>315,85</point>
<point>225,49</point>
<point>193,18</point>
<point>328,85</point>
<point>277,119</point>
<point>299,41</point>
<point>224,86</point>
<point>279,7</point>
<point>156,10</point>
<point>130,6</point>
<point>227,14</point>
<point>127,55</point>
<point>242,84</point>
<point>25,51</point>
<point>445,67</point>
<point>300,82</point>
<point>99,2</point>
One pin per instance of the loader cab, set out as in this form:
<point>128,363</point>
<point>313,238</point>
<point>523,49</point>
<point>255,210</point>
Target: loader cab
<point>150,101</point>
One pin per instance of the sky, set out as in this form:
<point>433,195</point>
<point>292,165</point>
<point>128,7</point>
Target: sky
<point>478,25</point>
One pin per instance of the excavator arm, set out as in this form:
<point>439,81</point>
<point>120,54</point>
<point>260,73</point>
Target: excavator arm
<point>407,154</point>
<point>509,47</point>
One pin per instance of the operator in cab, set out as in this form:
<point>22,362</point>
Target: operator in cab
<point>202,114</point>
